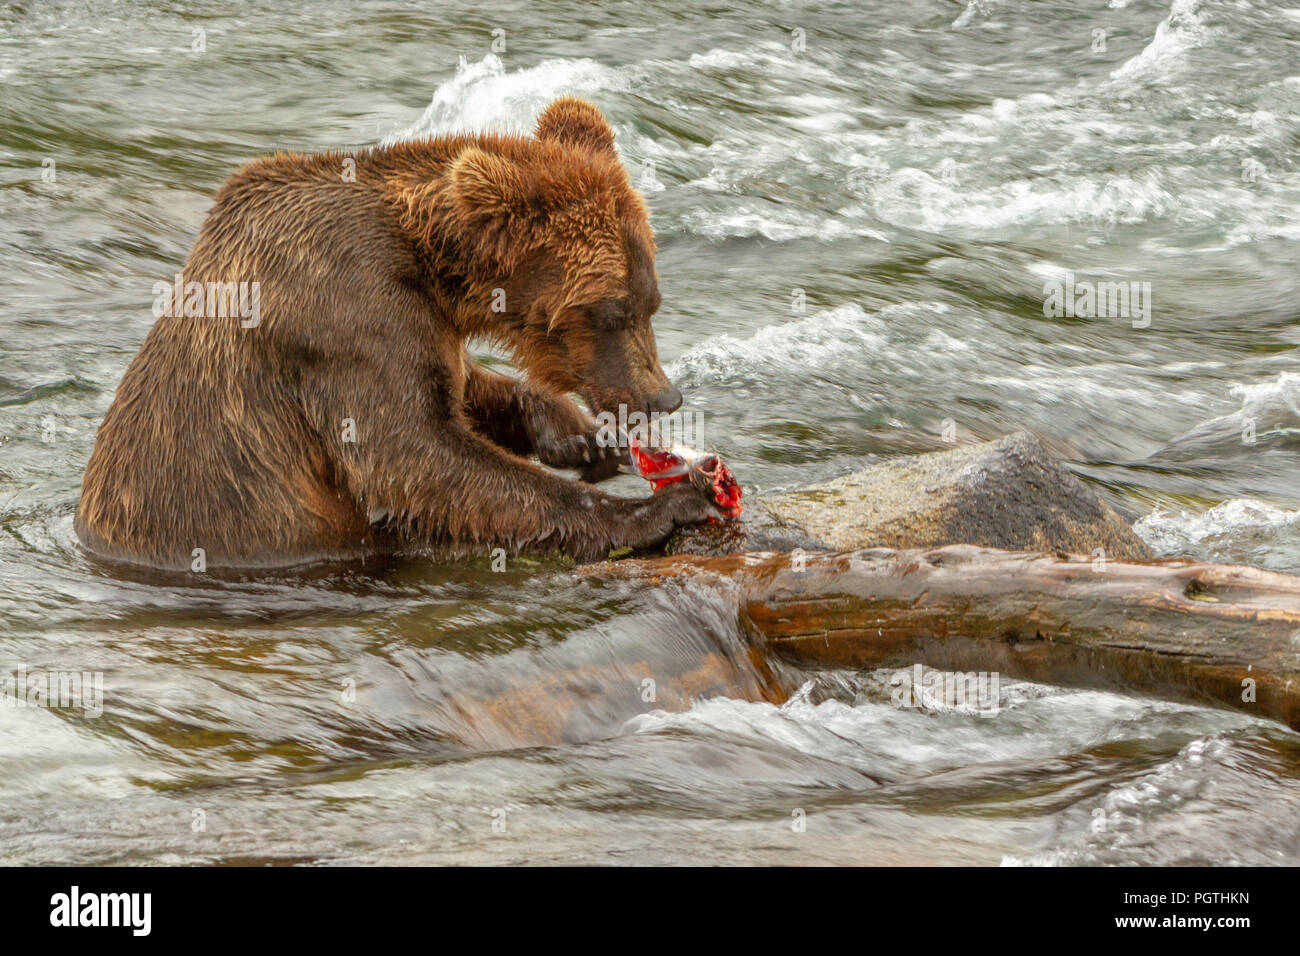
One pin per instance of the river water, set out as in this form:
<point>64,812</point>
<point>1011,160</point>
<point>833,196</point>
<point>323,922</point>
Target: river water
<point>922,172</point>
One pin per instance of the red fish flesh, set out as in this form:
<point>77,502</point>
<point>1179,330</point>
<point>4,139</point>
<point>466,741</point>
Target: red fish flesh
<point>664,466</point>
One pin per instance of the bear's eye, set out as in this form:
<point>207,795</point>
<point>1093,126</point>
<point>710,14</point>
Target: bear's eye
<point>610,314</point>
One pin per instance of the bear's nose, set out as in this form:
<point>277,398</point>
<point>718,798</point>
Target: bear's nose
<point>667,401</point>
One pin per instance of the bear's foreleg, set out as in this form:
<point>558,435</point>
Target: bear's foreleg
<point>415,465</point>
<point>527,421</point>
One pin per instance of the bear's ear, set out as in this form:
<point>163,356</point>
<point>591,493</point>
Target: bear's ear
<point>489,184</point>
<point>576,122</point>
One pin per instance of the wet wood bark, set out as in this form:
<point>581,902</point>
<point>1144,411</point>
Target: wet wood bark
<point>1180,629</point>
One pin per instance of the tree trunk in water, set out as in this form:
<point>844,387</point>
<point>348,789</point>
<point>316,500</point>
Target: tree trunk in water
<point>1219,634</point>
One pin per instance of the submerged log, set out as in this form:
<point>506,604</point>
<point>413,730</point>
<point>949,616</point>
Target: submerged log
<point>1180,629</point>
<point>967,568</point>
<point>571,706</point>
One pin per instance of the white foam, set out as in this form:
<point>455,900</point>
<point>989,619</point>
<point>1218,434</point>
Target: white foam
<point>974,8</point>
<point>1120,819</point>
<point>1167,53</point>
<point>748,220</point>
<point>1237,530</point>
<point>483,97</point>
<point>760,58</point>
<point>871,733</point>
<point>1279,398</point>
<point>915,198</point>
<point>1272,407</point>
<point>814,341</point>
<point>718,59</point>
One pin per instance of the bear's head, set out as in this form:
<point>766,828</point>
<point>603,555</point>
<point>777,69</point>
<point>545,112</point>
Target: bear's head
<point>567,246</point>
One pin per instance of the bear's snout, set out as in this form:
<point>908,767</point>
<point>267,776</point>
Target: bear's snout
<point>667,401</point>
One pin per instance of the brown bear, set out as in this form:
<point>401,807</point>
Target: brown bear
<point>333,411</point>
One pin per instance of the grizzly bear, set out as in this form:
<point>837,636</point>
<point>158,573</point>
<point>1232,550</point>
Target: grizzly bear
<point>335,412</point>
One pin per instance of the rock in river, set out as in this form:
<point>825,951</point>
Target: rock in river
<point>1008,494</point>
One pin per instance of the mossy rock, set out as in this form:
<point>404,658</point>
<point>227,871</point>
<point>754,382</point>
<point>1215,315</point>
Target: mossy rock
<point>1008,494</point>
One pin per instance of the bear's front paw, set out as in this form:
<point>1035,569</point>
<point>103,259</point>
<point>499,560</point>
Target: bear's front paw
<point>687,504</point>
<point>594,461</point>
<point>651,520</point>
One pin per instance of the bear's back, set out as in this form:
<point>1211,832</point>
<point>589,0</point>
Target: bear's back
<point>205,444</point>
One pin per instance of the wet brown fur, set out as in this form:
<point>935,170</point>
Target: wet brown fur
<point>230,439</point>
